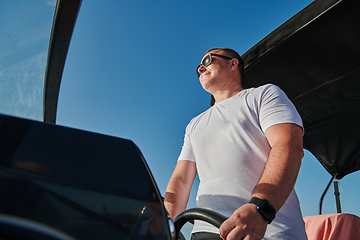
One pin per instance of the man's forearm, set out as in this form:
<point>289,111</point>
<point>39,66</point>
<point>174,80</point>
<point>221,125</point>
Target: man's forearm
<point>179,187</point>
<point>281,171</point>
<point>277,181</point>
<point>175,201</point>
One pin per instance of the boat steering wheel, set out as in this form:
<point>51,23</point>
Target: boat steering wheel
<point>206,215</point>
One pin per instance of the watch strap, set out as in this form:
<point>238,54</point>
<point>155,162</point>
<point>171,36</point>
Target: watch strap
<point>255,201</point>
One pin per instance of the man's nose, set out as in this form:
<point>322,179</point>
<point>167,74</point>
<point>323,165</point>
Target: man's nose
<point>201,69</point>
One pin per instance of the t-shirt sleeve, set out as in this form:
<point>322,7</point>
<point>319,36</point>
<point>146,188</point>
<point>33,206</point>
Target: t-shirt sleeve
<point>276,108</point>
<point>187,151</point>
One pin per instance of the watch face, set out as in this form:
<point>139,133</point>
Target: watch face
<point>267,209</point>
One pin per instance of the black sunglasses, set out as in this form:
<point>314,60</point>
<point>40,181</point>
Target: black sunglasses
<point>208,60</point>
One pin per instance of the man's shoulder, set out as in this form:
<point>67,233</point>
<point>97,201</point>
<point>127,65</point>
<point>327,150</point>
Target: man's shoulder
<point>264,91</point>
<point>196,118</point>
<point>266,87</point>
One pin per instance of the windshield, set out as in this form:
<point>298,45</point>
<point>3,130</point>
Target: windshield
<point>25,28</point>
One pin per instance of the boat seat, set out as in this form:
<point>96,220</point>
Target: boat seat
<point>332,227</point>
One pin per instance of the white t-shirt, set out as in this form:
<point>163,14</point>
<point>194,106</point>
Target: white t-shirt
<point>230,149</point>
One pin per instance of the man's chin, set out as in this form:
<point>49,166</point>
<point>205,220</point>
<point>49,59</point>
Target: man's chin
<point>206,86</point>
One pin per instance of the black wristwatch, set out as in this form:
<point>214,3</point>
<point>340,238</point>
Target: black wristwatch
<point>265,208</point>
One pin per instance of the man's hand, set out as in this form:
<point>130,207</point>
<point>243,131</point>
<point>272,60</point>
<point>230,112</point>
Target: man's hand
<point>245,223</point>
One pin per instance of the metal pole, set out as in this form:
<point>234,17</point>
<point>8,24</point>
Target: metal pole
<point>324,193</point>
<point>337,196</point>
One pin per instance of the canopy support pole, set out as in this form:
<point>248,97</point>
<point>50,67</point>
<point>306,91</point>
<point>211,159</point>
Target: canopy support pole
<point>337,196</point>
<point>324,193</point>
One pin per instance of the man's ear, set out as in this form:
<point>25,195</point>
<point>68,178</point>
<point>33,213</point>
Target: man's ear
<point>234,64</point>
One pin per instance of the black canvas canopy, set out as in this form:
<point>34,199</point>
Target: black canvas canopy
<point>315,58</point>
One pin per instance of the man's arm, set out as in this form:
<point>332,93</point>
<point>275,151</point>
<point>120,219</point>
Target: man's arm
<point>179,187</point>
<point>275,185</point>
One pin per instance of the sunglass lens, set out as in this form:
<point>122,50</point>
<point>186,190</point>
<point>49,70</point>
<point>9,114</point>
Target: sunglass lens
<point>207,60</point>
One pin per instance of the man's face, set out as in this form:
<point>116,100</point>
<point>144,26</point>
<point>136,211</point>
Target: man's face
<point>214,72</point>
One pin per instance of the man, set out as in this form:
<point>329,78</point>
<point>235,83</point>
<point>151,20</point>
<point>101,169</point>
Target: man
<point>247,151</point>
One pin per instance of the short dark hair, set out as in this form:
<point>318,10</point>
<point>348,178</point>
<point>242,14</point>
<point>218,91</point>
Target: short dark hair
<point>232,53</point>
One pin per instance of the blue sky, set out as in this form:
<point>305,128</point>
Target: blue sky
<point>130,73</point>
